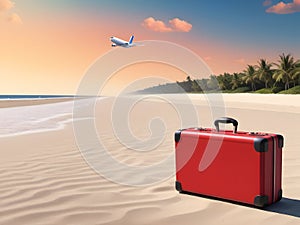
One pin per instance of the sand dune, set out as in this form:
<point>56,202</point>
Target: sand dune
<point>46,180</point>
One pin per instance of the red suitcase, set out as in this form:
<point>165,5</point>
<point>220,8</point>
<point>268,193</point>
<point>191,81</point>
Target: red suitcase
<point>243,167</point>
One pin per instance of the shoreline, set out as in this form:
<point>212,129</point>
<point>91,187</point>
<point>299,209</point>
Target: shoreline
<point>54,114</point>
<point>290,100</point>
<point>10,103</point>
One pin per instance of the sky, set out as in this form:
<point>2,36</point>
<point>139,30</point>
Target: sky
<point>46,46</point>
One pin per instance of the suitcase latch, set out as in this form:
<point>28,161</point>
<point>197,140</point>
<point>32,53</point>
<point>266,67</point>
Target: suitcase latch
<point>257,133</point>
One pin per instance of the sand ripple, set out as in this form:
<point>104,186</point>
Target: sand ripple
<point>44,180</point>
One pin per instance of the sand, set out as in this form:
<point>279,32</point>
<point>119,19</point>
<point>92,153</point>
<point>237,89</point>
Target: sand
<point>18,103</point>
<point>44,178</point>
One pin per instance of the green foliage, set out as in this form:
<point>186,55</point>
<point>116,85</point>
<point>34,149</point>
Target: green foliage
<point>203,83</point>
<point>264,72</point>
<point>213,83</point>
<point>265,91</point>
<point>293,90</point>
<point>250,77</point>
<point>241,90</point>
<point>262,78</point>
<point>277,89</point>
<point>287,70</point>
<point>224,81</point>
<point>196,87</point>
<point>236,81</point>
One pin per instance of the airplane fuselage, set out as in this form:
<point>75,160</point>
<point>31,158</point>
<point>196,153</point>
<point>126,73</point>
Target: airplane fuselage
<point>119,42</point>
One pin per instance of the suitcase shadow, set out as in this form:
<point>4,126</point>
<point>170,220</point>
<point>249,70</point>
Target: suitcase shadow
<point>286,206</point>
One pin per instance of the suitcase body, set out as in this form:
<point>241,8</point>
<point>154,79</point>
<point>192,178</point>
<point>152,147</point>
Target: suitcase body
<point>243,167</point>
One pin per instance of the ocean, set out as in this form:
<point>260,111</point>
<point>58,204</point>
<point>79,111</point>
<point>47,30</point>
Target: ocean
<point>5,97</point>
<point>37,118</point>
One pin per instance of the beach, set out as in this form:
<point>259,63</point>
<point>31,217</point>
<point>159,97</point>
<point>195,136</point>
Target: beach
<point>47,174</point>
<point>19,102</point>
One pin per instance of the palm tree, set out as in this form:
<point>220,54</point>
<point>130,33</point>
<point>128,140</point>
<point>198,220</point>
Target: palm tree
<point>188,79</point>
<point>196,87</point>
<point>224,81</point>
<point>236,81</point>
<point>250,76</point>
<point>286,71</point>
<point>213,83</point>
<point>296,73</point>
<point>264,72</point>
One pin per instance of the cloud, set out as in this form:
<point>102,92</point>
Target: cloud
<point>15,19</point>
<point>175,25</point>
<point>6,5</point>
<point>156,25</point>
<point>268,2</point>
<point>180,25</point>
<point>285,8</point>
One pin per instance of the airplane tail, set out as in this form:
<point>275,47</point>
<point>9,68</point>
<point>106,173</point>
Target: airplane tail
<point>131,39</point>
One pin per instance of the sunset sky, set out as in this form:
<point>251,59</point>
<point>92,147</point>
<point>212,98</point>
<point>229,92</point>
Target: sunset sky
<point>46,46</point>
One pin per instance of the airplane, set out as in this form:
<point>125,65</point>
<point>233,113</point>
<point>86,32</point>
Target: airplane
<point>119,42</point>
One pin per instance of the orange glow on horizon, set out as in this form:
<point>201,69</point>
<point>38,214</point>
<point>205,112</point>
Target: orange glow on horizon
<point>141,75</point>
<point>51,56</point>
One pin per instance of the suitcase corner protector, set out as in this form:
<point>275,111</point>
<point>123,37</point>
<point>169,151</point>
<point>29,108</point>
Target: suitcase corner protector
<point>178,186</point>
<point>261,144</point>
<point>280,140</point>
<point>261,200</point>
<point>280,192</point>
<point>178,135</point>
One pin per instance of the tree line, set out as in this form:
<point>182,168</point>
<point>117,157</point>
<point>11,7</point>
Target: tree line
<point>265,76</point>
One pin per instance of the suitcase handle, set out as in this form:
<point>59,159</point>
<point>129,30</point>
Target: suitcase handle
<point>226,120</point>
